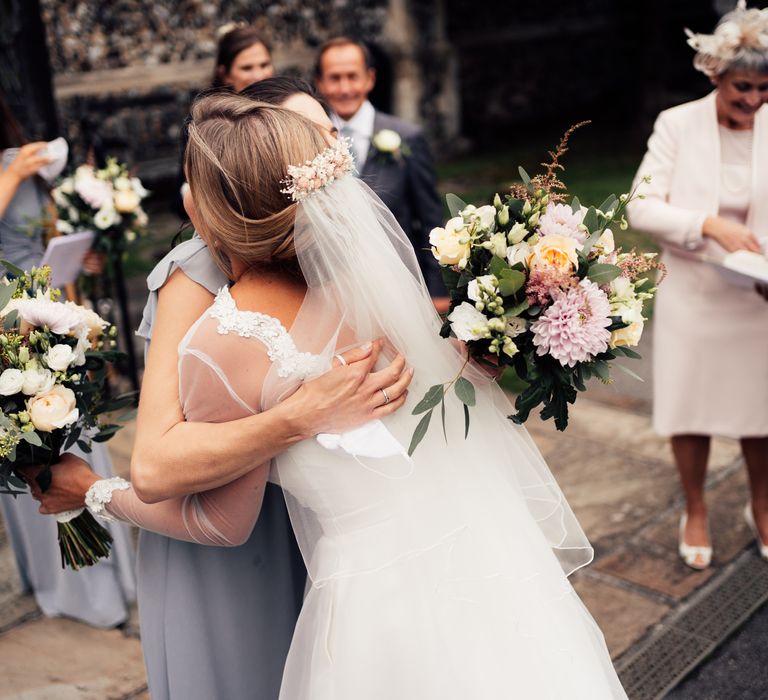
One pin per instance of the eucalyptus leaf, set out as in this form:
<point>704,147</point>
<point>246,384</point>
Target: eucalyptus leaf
<point>442,417</point>
<point>602,273</point>
<point>498,266</point>
<point>84,446</point>
<point>6,294</point>
<point>455,203</point>
<point>433,397</point>
<point>575,205</point>
<point>510,282</point>
<point>608,204</point>
<point>32,438</point>
<point>600,368</point>
<point>465,390</point>
<point>14,481</point>
<point>590,219</point>
<point>15,271</point>
<point>420,432</point>
<point>518,309</point>
<point>629,352</point>
<point>526,178</point>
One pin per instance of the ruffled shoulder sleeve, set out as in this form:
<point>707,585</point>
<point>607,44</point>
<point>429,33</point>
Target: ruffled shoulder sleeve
<point>193,259</point>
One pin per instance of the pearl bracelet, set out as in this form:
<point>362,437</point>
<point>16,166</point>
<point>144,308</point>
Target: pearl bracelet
<point>100,494</point>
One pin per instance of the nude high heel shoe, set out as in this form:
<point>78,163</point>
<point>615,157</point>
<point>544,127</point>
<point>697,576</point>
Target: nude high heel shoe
<point>750,518</point>
<point>698,558</point>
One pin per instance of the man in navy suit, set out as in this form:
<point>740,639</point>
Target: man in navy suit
<point>391,155</point>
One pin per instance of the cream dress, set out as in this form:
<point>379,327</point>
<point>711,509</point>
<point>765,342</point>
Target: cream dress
<point>710,336</point>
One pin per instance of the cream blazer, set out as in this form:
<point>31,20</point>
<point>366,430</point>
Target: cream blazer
<point>683,160</point>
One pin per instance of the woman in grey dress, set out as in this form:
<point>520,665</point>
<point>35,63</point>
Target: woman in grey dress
<point>100,595</point>
<point>217,622</point>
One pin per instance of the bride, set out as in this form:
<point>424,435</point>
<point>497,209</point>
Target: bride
<point>441,575</point>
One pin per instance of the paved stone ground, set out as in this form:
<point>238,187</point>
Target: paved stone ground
<point>618,476</point>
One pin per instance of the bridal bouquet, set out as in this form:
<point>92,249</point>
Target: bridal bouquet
<point>53,365</point>
<point>107,201</point>
<point>537,284</point>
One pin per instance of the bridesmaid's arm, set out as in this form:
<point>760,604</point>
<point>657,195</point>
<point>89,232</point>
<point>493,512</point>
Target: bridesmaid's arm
<point>172,457</point>
<point>222,517</point>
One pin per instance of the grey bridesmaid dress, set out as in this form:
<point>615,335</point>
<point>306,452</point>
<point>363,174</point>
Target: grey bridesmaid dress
<point>99,595</point>
<point>216,622</point>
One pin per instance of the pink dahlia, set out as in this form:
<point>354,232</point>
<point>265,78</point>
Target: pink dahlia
<point>562,220</point>
<point>575,327</point>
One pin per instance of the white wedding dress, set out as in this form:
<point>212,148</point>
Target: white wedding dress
<point>441,576</point>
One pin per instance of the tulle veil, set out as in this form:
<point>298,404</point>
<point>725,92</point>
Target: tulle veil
<point>364,283</point>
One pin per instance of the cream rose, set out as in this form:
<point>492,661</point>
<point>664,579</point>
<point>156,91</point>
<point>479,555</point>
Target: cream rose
<point>468,323</point>
<point>37,381</point>
<point>53,409</point>
<point>11,381</point>
<point>59,357</point>
<point>105,217</point>
<point>628,336</point>
<point>450,245</point>
<point>126,201</point>
<point>387,141</point>
<point>555,251</point>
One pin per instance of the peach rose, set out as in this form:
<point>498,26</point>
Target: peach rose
<point>555,251</point>
<point>54,409</point>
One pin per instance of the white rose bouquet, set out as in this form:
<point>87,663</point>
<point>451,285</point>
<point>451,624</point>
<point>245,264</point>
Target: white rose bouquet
<point>53,365</point>
<point>537,284</point>
<point>107,201</point>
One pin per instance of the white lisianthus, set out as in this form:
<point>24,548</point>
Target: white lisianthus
<point>53,409</point>
<point>485,283</point>
<point>138,188</point>
<point>122,184</point>
<point>468,323</point>
<point>517,233</point>
<point>497,244</point>
<point>64,226</point>
<point>387,141</point>
<point>605,244</point>
<point>519,253</point>
<point>112,170</point>
<point>515,326</point>
<point>105,218</point>
<point>59,357</point>
<point>450,245</point>
<point>37,381</point>
<point>67,186</point>
<point>627,337</point>
<point>624,301</point>
<point>73,214</point>
<point>126,201</point>
<point>484,217</point>
<point>487,216</point>
<point>11,381</point>
<point>130,236</point>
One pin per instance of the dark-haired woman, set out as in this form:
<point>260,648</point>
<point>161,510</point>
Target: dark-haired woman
<point>100,595</point>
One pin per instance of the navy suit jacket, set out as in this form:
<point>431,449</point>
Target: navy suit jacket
<point>406,184</point>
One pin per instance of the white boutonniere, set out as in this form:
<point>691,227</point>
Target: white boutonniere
<point>389,144</point>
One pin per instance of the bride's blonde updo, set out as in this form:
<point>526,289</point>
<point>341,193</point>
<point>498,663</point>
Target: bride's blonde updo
<point>237,157</point>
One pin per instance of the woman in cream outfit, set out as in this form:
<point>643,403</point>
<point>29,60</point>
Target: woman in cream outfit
<point>707,196</point>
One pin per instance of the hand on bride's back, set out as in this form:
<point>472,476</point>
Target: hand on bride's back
<point>351,394</point>
<point>71,477</point>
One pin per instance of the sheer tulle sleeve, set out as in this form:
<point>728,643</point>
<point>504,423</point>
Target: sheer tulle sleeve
<point>210,365</point>
<point>222,517</point>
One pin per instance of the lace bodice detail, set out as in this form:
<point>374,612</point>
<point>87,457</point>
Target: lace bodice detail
<point>252,324</point>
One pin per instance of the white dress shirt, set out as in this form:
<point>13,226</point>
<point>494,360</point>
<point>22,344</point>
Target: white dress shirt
<point>360,129</point>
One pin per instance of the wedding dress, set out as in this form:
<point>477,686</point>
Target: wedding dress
<point>443,575</point>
